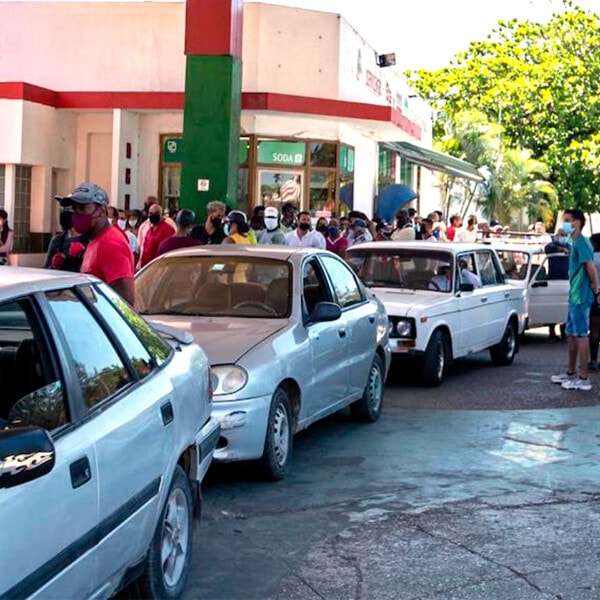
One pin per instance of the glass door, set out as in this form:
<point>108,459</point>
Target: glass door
<point>276,187</point>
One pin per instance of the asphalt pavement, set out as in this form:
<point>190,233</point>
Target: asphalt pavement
<point>487,487</point>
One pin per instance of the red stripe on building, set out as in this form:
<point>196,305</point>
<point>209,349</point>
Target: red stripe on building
<point>174,101</point>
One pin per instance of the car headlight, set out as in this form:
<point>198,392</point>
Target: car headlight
<point>228,379</point>
<point>404,328</point>
<point>401,328</point>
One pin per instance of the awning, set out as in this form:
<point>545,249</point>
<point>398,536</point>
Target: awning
<point>436,161</point>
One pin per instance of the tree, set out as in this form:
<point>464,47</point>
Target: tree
<point>540,81</point>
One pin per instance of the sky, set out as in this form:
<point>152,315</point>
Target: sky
<point>428,33</point>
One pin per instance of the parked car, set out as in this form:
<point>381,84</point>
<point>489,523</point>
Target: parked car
<point>105,436</point>
<point>544,277</point>
<point>292,336</point>
<point>444,301</point>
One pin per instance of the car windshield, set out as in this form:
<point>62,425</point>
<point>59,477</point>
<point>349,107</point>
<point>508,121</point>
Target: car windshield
<point>411,269</point>
<point>224,286</point>
<point>515,263</point>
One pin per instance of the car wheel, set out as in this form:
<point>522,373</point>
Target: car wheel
<point>434,361</point>
<point>168,560</point>
<point>277,455</point>
<point>504,352</point>
<point>368,408</point>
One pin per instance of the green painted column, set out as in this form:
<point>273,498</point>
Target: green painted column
<point>211,131</point>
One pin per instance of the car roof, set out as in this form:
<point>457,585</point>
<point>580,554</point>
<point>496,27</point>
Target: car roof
<point>452,247</point>
<point>530,248</point>
<point>16,281</point>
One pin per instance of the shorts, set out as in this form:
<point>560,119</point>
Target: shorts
<point>578,320</point>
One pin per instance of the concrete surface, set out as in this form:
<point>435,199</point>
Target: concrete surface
<point>454,493</point>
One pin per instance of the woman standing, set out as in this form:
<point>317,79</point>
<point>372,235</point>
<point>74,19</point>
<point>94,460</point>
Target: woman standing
<point>236,229</point>
<point>6,238</point>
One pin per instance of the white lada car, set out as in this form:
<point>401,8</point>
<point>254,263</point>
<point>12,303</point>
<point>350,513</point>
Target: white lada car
<point>444,301</point>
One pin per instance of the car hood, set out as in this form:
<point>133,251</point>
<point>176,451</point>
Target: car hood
<point>405,303</point>
<point>224,339</point>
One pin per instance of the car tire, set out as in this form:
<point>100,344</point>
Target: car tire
<point>503,353</point>
<point>368,408</point>
<point>277,455</point>
<point>173,537</point>
<point>433,363</point>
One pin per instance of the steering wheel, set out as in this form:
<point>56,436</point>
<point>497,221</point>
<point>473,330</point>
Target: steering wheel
<point>253,304</point>
<point>435,285</point>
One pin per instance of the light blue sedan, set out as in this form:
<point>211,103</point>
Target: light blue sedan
<point>292,335</point>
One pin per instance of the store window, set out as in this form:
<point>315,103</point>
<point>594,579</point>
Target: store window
<point>346,195</point>
<point>22,209</point>
<point>387,167</point>
<point>407,173</point>
<point>323,154</point>
<point>322,193</point>
<point>171,153</point>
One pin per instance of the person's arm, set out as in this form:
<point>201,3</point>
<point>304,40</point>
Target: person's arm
<point>52,250</point>
<point>7,247</point>
<point>125,288</point>
<point>593,275</point>
<point>227,240</point>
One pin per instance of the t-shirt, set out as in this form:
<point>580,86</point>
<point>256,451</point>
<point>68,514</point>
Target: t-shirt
<point>362,238</point>
<point>108,256</point>
<point>580,291</point>
<point>463,235</point>
<point>175,243</point>
<point>276,237</point>
<point>450,233</point>
<point>338,246</point>
<point>312,239</point>
<point>406,234</point>
<point>153,239</point>
<point>199,233</point>
<point>60,243</point>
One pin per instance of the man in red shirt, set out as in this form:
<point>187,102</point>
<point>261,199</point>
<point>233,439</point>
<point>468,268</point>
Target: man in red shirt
<point>108,255</point>
<point>455,224</point>
<point>159,231</point>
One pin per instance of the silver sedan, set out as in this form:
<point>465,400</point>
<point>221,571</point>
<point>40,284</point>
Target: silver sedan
<point>292,336</point>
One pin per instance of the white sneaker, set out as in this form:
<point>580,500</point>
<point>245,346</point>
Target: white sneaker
<point>577,384</point>
<point>562,378</point>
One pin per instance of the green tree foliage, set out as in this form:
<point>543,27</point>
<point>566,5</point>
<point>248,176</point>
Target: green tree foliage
<point>541,80</point>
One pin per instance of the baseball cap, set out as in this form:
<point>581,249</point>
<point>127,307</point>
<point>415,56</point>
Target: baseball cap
<point>271,213</point>
<point>84,193</point>
<point>359,223</point>
<point>185,217</point>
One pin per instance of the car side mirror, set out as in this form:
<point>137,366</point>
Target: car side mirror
<point>325,311</point>
<point>539,284</point>
<point>466,287</point>
<point>26,453</point>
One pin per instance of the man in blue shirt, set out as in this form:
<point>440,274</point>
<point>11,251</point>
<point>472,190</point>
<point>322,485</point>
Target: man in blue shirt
<point>583,292</point>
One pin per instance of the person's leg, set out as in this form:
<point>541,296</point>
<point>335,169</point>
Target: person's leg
<point>572,355</point>
<point>583,350</point>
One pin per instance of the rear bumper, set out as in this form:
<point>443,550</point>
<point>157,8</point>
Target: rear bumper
<point>206,442</point>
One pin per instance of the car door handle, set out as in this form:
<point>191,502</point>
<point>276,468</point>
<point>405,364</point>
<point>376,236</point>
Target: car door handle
<point>81,472</point>
<point>484,300</point>
<point>342,332</point>
<point>166,412</point>
<point>507,295</point>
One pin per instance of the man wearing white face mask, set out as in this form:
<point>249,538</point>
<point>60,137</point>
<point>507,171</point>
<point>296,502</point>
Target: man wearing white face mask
<point>272,235</point>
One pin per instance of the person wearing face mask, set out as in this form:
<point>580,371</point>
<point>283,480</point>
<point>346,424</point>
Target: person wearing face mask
<point>212,230</point>
<point>123,226</point>
<point>467,234</point>
<point>134,220</point>
<point>6,238</point>
<point>185,220</point>
<point>236,229</point>
<point>322,226</point>
<point>272,234</point>
<point>159,231</point>
<point>65,251</point>
<point>583,293</point>
<point>108,255</point>
<point>304,236</point>
<point>335,241</point>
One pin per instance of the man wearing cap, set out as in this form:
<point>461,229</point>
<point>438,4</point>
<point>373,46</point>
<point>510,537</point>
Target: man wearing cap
<point>184,220</point>
<point>108,255</point>
<point>361,233</point>
<point>272,234</point>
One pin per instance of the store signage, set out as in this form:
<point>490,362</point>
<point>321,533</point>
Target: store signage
<point>292,154</point>
<point>172,150</point>
<point>203,185</point>
<point>347,159</point>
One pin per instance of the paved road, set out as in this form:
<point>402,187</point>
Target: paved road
<point>483,488</point>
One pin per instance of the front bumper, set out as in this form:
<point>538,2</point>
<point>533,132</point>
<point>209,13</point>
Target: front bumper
<point>404,346</point>
<point>206,442</point>
<point>243,428</point>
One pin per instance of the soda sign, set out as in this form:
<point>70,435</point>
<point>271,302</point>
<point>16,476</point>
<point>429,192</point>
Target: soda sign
<point>292,154</point>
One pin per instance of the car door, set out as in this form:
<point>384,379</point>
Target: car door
<point>548,293</point>
<point>127,398</point>
<point>48,525</point>
<point>361,321</point>
<point>328,344</point>
<point>495,296</point>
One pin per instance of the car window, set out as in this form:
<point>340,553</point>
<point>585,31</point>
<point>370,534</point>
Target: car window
<point>134,349</point>
<point>467,270</point>
<point>98,367</point>
<point>515,264</point>
<point>314,289</point>
<point>486,269</point>
<point>31,392</point>
<point>347,290</point>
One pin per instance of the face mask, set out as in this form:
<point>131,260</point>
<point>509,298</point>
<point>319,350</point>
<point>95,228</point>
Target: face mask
<point>227,229</point>
<point>271,223</point>
<point>304,226</point>
<point>154,218</point>
<point>333,231</point>
<point>83,223</point>
<point>66,220</point>
<point>122,223</point>
<point>568,228</point>
<point>216,221</point>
